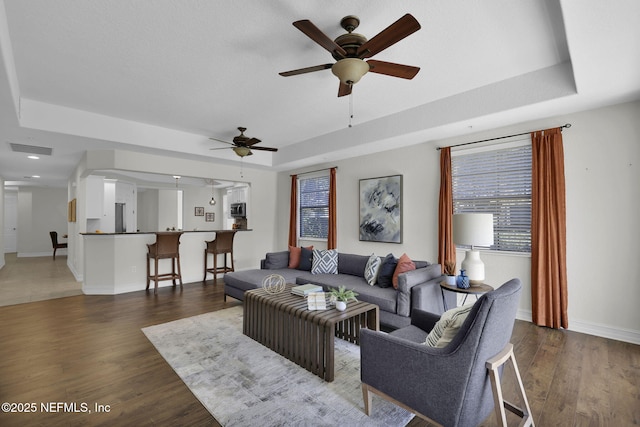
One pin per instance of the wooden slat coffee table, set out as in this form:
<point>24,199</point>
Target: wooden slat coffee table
<point>283,323</point>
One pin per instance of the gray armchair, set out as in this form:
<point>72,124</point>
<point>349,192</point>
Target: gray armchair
<point>452,385</point>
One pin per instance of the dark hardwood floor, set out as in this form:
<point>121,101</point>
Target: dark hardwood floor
<point>90,349</point>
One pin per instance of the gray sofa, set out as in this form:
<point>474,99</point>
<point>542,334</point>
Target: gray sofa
<point>419,288</point>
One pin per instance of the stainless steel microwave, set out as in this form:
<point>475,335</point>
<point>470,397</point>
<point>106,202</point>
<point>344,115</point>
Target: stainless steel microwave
<point>238,210</point>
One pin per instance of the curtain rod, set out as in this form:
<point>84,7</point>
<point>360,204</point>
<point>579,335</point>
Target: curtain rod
<point>319,170</point>
<point>566,126</point>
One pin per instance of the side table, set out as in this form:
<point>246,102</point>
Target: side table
<point>472,290</point>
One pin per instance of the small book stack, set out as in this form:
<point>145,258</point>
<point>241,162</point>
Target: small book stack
<point>304,290</point>
<point>316,301</point>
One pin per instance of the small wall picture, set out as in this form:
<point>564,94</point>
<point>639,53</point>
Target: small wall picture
<point>381,209</point>
<point>199,211</point>
<point>210,217</point>
<point>72,211</point>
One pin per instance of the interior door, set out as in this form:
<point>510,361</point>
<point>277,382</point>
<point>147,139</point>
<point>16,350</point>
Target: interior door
<point>10,221</point>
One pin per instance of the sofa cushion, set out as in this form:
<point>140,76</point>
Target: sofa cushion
<point>385,298</point>
<point>352,264</point>
<point>275,260</point>
<point>324,262</point>
<point>421,264</point>
<point>306,256</point>
<point>388,267</point>
<point>404,264</point>
<point>371,269</point>
<point>448,326</point>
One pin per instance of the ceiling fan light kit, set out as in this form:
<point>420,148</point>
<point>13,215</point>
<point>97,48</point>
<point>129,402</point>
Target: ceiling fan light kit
<point>242,145</point>
<point>350,70</point>
<point>350,51</point>
<point>242,151</point>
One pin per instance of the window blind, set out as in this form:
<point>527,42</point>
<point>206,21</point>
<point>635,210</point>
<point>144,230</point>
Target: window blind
<point>313,206</point>
<point>497,182</point>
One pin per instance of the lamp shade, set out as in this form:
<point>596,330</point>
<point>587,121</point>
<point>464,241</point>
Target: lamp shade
<point>350,70</point>
<point>473,229</point>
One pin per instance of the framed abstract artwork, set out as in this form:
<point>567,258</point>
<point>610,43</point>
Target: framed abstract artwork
<point>381,209</point>
<point>210,217</point>
<point>199,211</point>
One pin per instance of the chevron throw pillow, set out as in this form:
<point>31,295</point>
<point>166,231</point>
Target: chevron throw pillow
<point>324,261</point>
<point>371,269</point>
<point>448,326</point>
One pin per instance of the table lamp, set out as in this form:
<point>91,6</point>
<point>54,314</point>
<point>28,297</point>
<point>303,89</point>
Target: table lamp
<point>473,229</point>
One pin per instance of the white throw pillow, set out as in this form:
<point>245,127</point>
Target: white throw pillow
<point>324,261</point>
<point>371,269</point>
<point>447,327</point>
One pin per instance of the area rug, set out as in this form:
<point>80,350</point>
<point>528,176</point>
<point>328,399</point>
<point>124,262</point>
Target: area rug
<point>242,383</point>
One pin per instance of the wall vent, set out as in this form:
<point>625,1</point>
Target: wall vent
<point>31,149</point>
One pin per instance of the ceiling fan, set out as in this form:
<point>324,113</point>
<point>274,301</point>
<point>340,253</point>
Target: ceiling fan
<point>242,145</point>
<point>350,50</point>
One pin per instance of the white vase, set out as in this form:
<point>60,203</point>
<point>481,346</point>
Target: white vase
<point>450,280</point>
<point>341,305</point>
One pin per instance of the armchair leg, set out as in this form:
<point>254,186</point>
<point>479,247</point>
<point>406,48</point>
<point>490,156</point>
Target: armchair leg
<point>367,399</point>
<point>493,365</point>
<point>367,393</point>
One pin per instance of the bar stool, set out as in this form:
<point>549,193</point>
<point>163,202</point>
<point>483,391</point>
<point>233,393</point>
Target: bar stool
<point>167,246</point>
<point>222,244</point>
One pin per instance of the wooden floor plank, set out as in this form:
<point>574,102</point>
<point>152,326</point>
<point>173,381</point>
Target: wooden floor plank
<point>624,362</point>
<point>91,349</point>
<point>594,400</point>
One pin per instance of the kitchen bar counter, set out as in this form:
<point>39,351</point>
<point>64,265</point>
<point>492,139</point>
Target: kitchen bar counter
<point>116,263</point>
<point>161,231</point>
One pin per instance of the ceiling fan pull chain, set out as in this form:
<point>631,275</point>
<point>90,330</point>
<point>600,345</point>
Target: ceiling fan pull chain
<point>350,108</point>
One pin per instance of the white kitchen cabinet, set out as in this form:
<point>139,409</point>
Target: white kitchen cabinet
<point>238,194</point>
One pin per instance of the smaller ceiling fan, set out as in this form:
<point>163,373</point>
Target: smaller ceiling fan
<point>242,145</point>
<point>351,49</point>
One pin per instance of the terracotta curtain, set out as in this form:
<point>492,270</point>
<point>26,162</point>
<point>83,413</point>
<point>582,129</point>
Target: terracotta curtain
<point>548,230</point>
<point>293,212</point>
<point>446,248</point>
<point>332,236</point>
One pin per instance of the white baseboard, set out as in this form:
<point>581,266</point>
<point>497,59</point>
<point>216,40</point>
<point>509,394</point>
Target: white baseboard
<point>79,277</point>
<point>605,331</point>
<point>591,328</point>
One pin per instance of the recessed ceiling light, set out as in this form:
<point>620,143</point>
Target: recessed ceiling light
<point>33,157</point>
<point>35,176</point>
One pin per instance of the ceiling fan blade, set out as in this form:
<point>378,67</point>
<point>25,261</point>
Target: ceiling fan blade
<point>219,140</point>
<point>306,70</point>
<point>319,37</point>
<point>344,89</point>
<point>251,141</point>
<point>221,148</point>
<point>392,69</point>
<point>264,148</point>
<point>395,32</point>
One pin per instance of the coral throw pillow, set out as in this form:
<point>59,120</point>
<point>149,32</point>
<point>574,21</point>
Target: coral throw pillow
<point>294,256</point>
<point>404,264</point>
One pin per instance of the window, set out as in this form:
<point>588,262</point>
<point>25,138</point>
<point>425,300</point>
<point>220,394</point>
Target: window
<point>313,207</point>
<point>497,182</point>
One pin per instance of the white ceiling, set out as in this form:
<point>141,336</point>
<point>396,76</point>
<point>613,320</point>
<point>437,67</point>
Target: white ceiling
<point>164,75</point>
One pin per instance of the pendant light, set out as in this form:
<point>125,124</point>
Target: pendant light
<point>212,202</point>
